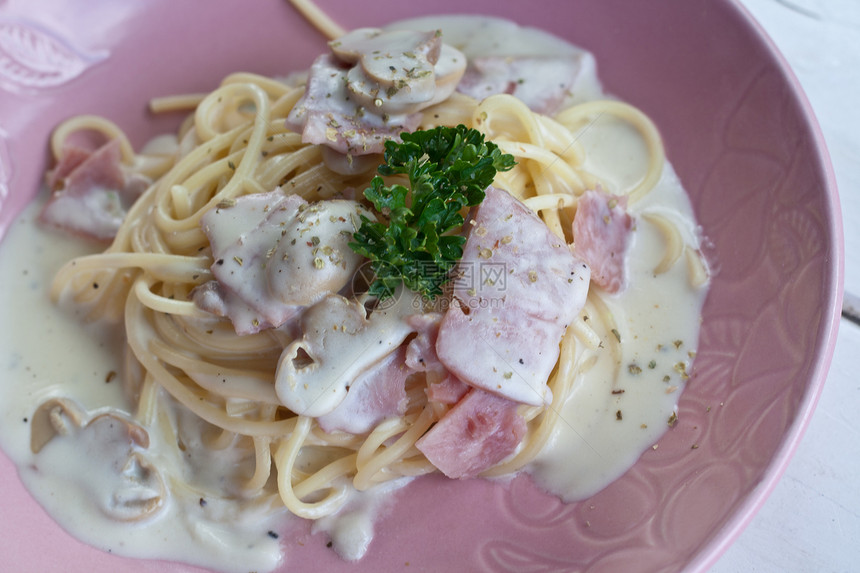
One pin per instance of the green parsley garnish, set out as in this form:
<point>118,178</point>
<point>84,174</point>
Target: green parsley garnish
<point>448,169</point>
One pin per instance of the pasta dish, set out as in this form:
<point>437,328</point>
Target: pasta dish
<point>298,312</point>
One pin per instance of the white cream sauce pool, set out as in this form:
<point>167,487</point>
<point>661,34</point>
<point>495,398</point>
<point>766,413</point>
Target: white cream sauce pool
<point>52,353</point>
<point>48,352</point>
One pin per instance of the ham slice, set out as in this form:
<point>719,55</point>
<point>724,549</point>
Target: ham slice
<point>92,192</point>
<point>377,394</point>
<point>540,82</point>
<point>516,289</point>
<point>421,350</point>
<point>421,356</point>
<point>481,430</point>
<point>72,156</point>
<point>449,390</point>
<point>602,229</point>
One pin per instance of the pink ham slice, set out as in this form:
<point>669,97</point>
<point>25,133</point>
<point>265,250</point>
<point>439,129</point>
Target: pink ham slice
<point>91,191</point>
<point>327,114</point>
<point>377,394</point>
<point>421,356</point>
<point>601,234</point>
<point>516,289</point>
<point>421,350</point>
<point>449,390</point>
<point>481,430</point>
<point>216,299</point>
<point>542,83</point>
<point>507,352</point>
<point>72,157</point>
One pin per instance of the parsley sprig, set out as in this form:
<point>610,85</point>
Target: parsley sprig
<point>417,245</point>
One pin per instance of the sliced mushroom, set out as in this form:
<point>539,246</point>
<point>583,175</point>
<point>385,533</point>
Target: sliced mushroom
<point>275,254</point>
<point>141,492</point>
<point>372,87</point>
<point>57,416</point>
<point>388,57</point>
<point>131,432</point>
<point>340,343</point>
<point>137,489</point>
<point>313,257</point>
<point>400,72</point>
<point>449,69</point>
<point>125,484</point>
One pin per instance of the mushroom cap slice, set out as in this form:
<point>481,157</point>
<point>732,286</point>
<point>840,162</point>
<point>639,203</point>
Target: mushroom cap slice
<point>389,57</point>
<point>312,256</point>
<point>340,343</point>
<point>114,446</point>
<point>398,71</point>
<point>53,417</point>
<point>419,87</point>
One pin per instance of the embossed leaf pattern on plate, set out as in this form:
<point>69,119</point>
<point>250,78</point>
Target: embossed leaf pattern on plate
<point>33,57</point>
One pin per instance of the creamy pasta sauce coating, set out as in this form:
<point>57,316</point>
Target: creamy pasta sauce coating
<point>618,407</point>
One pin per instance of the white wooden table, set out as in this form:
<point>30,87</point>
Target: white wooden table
<point>811,521</point>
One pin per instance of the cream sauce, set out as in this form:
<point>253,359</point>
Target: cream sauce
<point>76,480</point>
<point>601,435</point>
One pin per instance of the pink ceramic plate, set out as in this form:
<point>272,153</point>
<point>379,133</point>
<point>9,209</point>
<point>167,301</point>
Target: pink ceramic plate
<point>739,133</point>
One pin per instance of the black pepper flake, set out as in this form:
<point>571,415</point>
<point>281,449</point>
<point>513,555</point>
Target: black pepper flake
<point>26,420</point>
<point>619,391</point>
<point>202,502</point>
<point>618,415</point>
<point>521,361</point>
<point>219,262</point>
<point>272,534</point>
<point>329,544</point>
<point>95,285</point>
